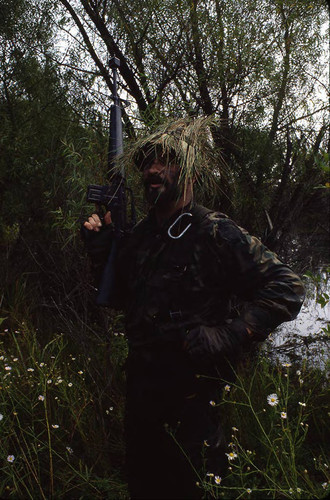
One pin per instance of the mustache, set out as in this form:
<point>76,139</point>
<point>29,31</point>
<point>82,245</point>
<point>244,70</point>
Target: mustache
<point>155,179</point>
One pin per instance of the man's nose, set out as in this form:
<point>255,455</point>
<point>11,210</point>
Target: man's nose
<point>155,167</point>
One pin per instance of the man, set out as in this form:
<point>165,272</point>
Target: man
<point>178,274</point>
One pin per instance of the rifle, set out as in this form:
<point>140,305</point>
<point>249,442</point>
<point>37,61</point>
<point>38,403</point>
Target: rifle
<point>113,195</point>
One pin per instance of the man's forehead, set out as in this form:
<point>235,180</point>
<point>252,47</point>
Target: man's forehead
<point>150,152</point>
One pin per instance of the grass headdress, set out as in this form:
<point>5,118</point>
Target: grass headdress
<point>186,142</point>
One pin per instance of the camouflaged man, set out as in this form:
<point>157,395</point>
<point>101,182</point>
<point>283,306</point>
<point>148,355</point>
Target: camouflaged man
<point>178,273</point>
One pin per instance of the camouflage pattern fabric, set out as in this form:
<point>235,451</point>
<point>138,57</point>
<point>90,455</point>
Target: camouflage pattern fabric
<point>188,303</point>
<point>167,284</point>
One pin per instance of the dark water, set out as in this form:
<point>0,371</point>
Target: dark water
<point>307,337</point>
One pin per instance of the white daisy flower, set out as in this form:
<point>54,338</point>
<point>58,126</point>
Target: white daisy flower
<point>272,399</point>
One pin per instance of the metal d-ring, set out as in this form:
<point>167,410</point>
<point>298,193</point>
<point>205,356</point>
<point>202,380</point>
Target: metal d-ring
<point>174,223</point>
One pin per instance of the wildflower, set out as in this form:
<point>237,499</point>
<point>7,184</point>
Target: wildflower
<point>80,372</point>
<point>41,398</point>
<point>49,381</point>
<point>8,368</point>
<point>232,455</point>
<point>301,381</point>
<point>227,388</point>
<point>283,415</point>
<point>249,491</point>
<point>10,459</point>
<point>55,426</point>
<point>290,491</point>
<point>272,399</point>
<point>41,365</point>
<point>59,381</point>
<point>212,403</point>
<point>69,450</point>
<point>210,474</point>
<point>206,443</point>
<point>70,384</point>
<point>235,429</point>
<point>324,485</point>
<point>298,372</point>
<point>302,404</point>
<point>73,359</point>
<point>30,369</point>
<point>1,417</point>
<point>217,479</point>
<point>15,359</point>
<point>298,490</point>
<point>1,358</point>
<point>286,365</point>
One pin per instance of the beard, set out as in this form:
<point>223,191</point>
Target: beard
<point>165,193</point>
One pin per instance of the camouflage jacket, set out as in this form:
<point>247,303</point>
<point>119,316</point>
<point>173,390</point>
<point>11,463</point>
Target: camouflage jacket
<point>212,283</point>
<point>214,272</point>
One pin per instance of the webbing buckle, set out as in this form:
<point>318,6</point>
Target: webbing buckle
<point>175,315</point>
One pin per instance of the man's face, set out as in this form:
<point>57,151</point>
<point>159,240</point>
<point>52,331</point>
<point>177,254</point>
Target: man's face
<point>161,181</point>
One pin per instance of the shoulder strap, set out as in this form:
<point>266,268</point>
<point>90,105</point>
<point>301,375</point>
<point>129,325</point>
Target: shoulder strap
<point>201,213</point>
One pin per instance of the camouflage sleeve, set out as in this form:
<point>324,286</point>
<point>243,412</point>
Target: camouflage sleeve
<point>270,291</point>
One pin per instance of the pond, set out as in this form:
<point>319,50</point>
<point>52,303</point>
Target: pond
<point>307,337</point>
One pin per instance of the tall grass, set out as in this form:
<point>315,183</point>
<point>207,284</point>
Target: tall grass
<point>61,424</point>
<point>277,418</point>
<point>59,436</point>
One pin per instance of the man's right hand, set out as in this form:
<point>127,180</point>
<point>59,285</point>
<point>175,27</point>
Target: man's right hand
<point>94,222</point>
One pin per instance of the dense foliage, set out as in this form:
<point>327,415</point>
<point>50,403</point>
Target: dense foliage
<point>257,66</point>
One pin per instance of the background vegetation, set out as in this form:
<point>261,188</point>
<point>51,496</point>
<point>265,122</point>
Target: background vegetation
<point>260,67</point>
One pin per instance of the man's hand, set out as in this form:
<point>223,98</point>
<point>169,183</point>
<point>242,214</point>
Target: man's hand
<point>94,222</point>
<point>206,344</point>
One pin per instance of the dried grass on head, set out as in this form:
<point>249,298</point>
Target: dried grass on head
<point>186,142</point>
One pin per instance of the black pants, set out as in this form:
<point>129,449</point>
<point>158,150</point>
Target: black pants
<point>165,460</point>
